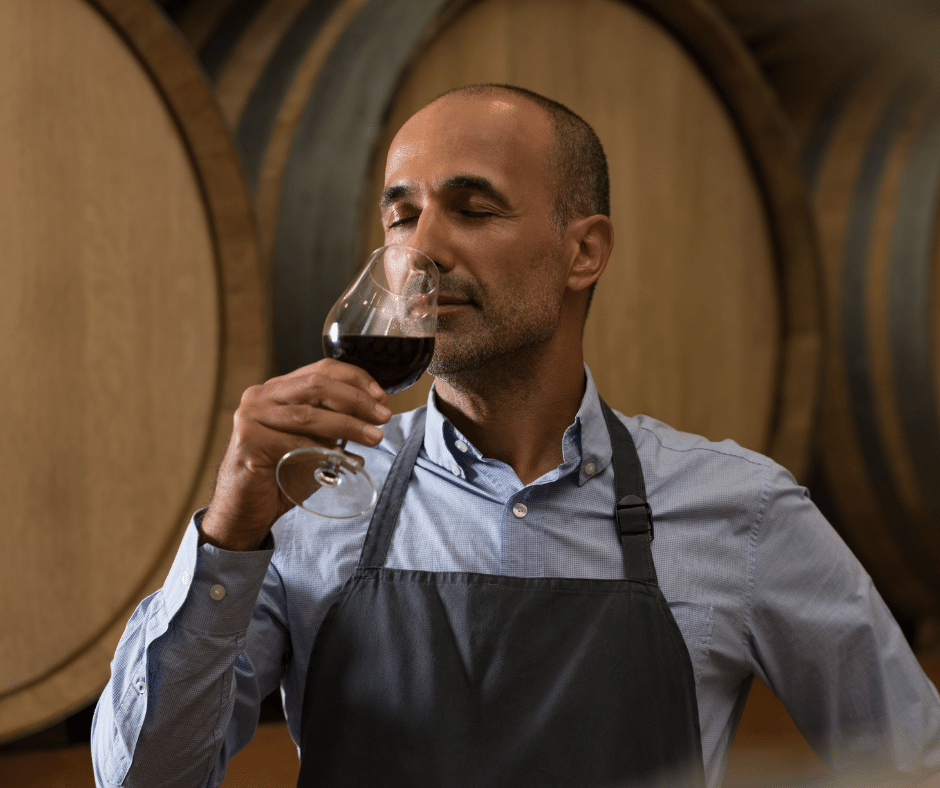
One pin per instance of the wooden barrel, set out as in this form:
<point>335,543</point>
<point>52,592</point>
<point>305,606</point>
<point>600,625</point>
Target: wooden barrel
<point>873,159</point>
<point>709,314</point>
<point>134,314</point>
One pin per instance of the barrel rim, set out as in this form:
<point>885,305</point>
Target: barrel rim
<point>243,356</point>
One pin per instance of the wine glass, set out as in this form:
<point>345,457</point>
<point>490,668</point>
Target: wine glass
<point>384,322</point>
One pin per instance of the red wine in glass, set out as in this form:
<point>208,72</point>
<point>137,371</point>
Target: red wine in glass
<point>385,323</point>
<point>395,362</point>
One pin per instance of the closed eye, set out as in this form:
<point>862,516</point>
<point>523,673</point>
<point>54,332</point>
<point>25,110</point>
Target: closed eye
<point>402,221</point>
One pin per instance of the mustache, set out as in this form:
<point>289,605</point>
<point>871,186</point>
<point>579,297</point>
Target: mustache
<point>455,286</point>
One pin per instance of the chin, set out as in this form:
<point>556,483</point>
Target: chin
<point>450,361</point>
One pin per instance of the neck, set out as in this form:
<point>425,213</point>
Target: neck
<point>517,415</point>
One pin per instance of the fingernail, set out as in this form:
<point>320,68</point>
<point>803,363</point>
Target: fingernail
<point>382,412</point>
<point>373,434</point>
<point>376,390</point>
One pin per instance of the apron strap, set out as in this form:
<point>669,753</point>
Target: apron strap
<point>634,516</point>
<point>388,505</point>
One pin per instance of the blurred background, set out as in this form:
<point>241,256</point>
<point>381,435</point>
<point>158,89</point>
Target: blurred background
<point>187,185</point>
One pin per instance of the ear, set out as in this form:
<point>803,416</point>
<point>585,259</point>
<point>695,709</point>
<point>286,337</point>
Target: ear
<point>594,236</point>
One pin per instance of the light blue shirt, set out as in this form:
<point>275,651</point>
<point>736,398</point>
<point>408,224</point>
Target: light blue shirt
<point>757,580</point>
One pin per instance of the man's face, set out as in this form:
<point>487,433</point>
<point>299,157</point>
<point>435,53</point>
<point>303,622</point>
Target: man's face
<point>469,182</point>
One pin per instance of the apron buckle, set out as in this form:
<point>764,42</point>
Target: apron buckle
<point>634,517</point>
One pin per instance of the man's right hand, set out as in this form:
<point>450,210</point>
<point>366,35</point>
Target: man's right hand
<point>316,405</point>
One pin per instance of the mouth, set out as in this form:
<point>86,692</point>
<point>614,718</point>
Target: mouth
<point>456,295</point>
<point>450,303</point>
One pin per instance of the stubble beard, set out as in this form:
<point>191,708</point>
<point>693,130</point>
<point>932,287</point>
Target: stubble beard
<point>499,342</point>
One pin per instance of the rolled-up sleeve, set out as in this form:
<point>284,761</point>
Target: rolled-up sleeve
<point>824,641</point>
<point>185,686</point>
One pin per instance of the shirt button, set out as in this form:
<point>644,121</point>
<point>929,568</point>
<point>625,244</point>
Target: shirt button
<point>455,470</point>
<point>461,446</point>
<point>217,592</point>
<point>590,468</point>
<point>141,687</point>
<point>519,510</point>
<point>187,578</point>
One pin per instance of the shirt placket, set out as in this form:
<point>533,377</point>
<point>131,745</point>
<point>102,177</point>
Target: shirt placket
<point>523,536</point>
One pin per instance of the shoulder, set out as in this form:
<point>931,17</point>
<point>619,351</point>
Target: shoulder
<point>656,435</point>
<point>670,457</point>
<point>730,501</point>
<point>718,498</point>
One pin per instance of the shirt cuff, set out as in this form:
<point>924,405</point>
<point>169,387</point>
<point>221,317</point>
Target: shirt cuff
<point>211,590</point>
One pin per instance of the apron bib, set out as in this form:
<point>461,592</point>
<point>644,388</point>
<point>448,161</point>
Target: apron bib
<point>445,680</point>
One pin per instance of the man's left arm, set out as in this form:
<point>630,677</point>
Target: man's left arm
<point>824,641</point>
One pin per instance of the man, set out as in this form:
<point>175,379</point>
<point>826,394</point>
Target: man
<point>499,620</point>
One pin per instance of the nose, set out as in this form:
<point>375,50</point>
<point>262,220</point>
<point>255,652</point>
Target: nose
<point>430,236</point>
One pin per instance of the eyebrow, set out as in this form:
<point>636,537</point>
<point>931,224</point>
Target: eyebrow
<point>459,182</point>
<point>395,193</point>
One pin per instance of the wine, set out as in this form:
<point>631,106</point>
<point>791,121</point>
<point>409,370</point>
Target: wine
<point>394,362</point>
<point>384,323</point>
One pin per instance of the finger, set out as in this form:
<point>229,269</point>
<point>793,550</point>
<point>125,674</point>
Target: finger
<point>331,369</point>
<point>316,389</point>
<point>315,406</point>
<point>323,426</point>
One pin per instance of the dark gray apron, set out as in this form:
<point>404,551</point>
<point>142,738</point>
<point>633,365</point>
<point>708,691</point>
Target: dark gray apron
<point>443,679</point>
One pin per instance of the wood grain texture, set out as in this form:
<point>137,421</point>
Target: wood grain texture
<point>132,287</point>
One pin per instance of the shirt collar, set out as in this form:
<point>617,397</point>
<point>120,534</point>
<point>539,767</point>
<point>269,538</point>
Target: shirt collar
<point>585,444</point>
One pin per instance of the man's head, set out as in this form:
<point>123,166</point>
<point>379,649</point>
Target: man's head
<point>483,181</point>
<point>578,161</point>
